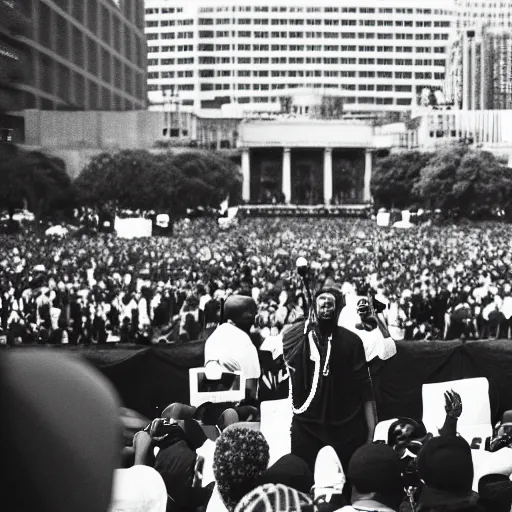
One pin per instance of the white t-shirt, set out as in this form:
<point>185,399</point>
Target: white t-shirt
<point>375,345</point>
<point>234,350</point>
<point>506,307</point>
<point>138,489</point>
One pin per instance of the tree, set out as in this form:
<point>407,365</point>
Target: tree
<point>432,99</point>
<point>330,107</point>
<point>394,179</point>
<point>199,179</point>
<point>33,180</point>
<point>481,185</point>
<point>286,104</point>
<point>438,177</point>
<point>125,178</point>
<point>163,182</point>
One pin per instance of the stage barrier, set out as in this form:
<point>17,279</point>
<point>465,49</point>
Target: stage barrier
<point>150,378</point>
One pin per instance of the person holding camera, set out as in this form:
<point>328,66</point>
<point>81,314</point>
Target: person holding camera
<point>176,461</point>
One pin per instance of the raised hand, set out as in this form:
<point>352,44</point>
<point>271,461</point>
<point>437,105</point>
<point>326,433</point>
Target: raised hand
<point>363,308</point>
<point>453,404</point>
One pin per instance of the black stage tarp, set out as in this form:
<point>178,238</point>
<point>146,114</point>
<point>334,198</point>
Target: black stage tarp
<point>149,378</point>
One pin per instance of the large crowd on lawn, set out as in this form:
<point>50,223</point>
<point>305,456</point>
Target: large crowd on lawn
<point>439,282</point>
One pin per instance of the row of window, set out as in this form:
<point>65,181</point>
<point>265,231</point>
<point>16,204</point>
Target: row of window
<point>361,100</point>
<point>170,35</point>
<point>210,34</point>
<point>170,23</point>
<point>164,10</point>
<point>171,49</point>
<point>310,48</point>
<point>331,48</point>
<point>281,48</point>
<point>400,75</point>
<point>363,10</point>
<point>303,60</point>
<point>320,35</point>
<point>347,87</point>
<point>300,60</point>
<point>155,75</point>
<point>293,22</point>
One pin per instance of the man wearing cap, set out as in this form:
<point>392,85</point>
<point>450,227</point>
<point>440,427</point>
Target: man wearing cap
<point>330,385</point>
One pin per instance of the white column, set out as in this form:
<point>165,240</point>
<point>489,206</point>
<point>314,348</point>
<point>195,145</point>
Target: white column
<point>246,175</point>
<point>287,175</point>
<point>327,176</point>
<point>367,196</point>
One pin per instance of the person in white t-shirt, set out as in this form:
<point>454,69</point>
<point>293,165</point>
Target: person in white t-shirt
<point>230,348</point>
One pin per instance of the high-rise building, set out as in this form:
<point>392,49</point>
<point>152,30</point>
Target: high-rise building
<point>479,63</point>
<point>378,56</point>
<point>476,13</point>
<point>85,55</point>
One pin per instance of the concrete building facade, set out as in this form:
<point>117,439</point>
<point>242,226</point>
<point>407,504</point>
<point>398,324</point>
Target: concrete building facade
<point>476,13</point>
<point>479,75</point>
<point>84,55</point>
<point>212,54</point>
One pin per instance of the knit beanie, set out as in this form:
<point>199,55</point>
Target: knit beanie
<point>275,498</point>
<point>445,463</point>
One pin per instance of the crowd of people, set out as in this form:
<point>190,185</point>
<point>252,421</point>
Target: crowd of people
<point>409,470</point>
<point>428,282</point>
<point>436,282</point>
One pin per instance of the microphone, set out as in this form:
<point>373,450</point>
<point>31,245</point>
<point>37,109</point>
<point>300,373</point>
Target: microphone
<point>302,267</point>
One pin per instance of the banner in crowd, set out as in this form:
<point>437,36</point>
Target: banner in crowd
<point>133,227</point>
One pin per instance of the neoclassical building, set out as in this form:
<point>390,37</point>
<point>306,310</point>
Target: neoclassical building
<point>305,161</point>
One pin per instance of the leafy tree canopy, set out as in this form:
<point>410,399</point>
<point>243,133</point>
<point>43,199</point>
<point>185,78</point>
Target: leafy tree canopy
<point>34,180</point>
<point>163,181</point>
<point>455,178</point>
<point>395,177</point>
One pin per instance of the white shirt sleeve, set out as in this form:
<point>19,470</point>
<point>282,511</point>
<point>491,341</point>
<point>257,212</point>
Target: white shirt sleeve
<point>251,363</point>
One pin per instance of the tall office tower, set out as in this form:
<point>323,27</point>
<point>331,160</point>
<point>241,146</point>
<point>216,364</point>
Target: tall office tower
<point>250,55</point>
<point>85,55</point>
<point>475,13</point>
<point>479,63</point>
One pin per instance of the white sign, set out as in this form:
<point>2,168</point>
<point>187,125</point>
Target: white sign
<point>162,220</point>
<point>276,421</point>
<point>202,390</point>
<point>475,420</point>
<point>133,228</point>
<point>383,219</point>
